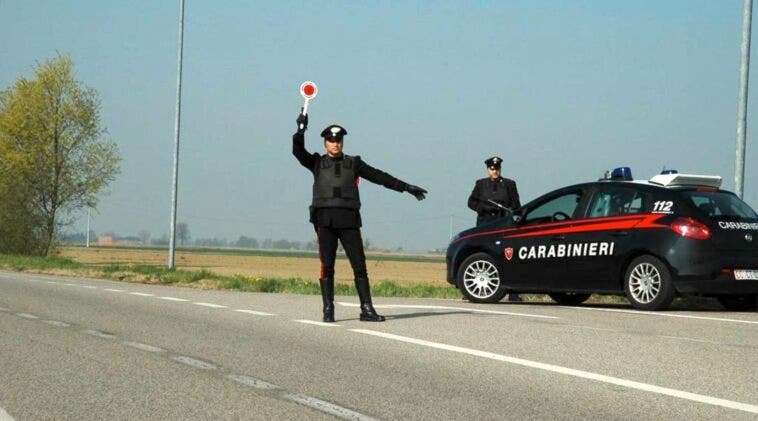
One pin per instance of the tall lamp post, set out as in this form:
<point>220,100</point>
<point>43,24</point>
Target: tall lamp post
<point>174,185</point>
<point>739,163</point>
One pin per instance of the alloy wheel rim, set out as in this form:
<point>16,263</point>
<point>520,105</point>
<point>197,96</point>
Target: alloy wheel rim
<point>645,283</point>
<point>481,279</point>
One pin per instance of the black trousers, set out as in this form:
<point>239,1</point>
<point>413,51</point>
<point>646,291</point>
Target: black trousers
<point>351,241</point>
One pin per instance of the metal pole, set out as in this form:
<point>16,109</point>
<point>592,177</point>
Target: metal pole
<point>88,212</point>
<point>174,185</point>
<point>451,226</point>
<point>739,163</point>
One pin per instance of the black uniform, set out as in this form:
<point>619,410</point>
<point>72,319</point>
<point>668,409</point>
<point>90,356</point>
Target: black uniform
<point>335,214</point>
<point>335,209</point>
<point>501,190</point>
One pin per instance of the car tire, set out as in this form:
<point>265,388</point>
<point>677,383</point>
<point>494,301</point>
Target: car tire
<point>647,284</point>
<point>569,298</point>
<point>480,279</point>
<point>742,302</point>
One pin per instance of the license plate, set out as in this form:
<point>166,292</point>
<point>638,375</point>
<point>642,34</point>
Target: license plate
<point>746,274</point>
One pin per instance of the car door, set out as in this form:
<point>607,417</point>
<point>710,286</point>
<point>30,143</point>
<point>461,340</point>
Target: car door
<point>601,241</point>
<point>531,250</point>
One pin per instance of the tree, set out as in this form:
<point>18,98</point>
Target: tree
<point>144,236</point>
<point>52,149</point>
<point>182,232</point>
<point>247,242</point>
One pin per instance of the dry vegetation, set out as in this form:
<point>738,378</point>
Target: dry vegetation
<point>402,273</point>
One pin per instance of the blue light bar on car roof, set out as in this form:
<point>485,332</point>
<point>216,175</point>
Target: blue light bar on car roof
<point>622,173</point>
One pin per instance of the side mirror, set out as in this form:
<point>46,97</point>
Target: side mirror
<point>517,215</point>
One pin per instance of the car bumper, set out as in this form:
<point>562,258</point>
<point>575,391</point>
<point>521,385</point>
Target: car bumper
<point>722,284</point>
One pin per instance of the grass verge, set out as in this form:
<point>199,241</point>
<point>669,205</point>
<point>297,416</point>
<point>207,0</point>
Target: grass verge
<point>205,279</point>
<point>151,274</point>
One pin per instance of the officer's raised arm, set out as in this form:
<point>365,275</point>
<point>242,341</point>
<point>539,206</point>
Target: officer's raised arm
<point>380,177</point>
<point>305,158</point>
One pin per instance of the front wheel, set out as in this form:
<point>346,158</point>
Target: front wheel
<point>738,302</point>
<point>479,279</point>
<point>647,284</point>
<point>569,298</point>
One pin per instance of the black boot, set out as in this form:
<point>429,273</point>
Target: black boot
<point>327,295</point>
<point>368,314</point>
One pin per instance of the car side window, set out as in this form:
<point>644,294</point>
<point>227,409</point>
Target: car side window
<point>615,201</point>
<point>557,209</point>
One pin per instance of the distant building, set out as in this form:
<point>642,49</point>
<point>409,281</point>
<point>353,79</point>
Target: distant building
<point>105,239</point>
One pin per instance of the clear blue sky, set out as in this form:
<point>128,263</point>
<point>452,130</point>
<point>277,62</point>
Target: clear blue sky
<point>427,90</point>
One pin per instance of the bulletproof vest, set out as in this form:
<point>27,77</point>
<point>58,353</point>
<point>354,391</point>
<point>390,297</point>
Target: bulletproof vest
<point>335,183</point>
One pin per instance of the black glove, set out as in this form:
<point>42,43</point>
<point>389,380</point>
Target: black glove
<point>417,191</point>
<point>302,122</point>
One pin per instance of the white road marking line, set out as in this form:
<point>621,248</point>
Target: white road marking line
<point>142,294</point>
<point>98,333</point>
<point>326,407</point>
<point>70,285</point>
<point>86,286</point>
<point>710,400</point>
<point>252,382</point>
<point>653,313</point>
<point>313,322</point>
<point>113,290</point>
<point>4,309</point>
<point>172,299</point>
<point>257,313</point>
<point>51,282</point>
<point>466,309</point>
<point>192,362</point>
<point>144,347</point>
<point>211,305</point>
<point>4,416</point>
<point>27,316</point>
<point>57,323</point>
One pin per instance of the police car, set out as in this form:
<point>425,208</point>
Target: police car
<point>649,240</point>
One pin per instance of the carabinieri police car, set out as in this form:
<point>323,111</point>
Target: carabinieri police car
<point>649,240</point>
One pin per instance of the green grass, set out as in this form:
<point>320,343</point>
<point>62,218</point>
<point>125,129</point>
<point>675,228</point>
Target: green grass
<point>208,279</point>
<point>205,278</point>
<point>22,263</point>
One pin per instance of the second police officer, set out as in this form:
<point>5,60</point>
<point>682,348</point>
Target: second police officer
<point>493,197</point>
<point>335,210</point>
<point>493,194</point>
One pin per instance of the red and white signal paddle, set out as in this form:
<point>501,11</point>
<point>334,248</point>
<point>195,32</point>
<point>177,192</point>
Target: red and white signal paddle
<point>308,90</point>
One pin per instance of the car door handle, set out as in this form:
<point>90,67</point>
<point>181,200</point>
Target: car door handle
<point>558,238</point>
<point>620,233</point>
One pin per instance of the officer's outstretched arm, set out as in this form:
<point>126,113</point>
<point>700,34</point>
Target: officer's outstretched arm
<point>380,177</point>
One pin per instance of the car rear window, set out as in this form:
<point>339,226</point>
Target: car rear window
<point>721,205</point>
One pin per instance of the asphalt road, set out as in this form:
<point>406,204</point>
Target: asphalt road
<point>93,349</point>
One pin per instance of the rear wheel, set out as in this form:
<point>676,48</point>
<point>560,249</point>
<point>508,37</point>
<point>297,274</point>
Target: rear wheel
<point>479,279</point>
<point>569,298</point>
<point>738,302</point>
<point>647,284</point>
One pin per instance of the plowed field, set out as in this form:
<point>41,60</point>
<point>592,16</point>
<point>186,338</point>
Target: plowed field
<point>401,272</point>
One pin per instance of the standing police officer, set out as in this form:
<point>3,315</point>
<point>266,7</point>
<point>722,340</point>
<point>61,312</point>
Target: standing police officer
<point>335,210</point>
<point>490,192</point>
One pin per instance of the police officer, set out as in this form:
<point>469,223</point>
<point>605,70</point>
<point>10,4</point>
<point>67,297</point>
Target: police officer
<point>490,192</point>
<point>335,210</point>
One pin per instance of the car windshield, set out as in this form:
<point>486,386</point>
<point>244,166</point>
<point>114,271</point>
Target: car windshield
<point>721,205</point>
